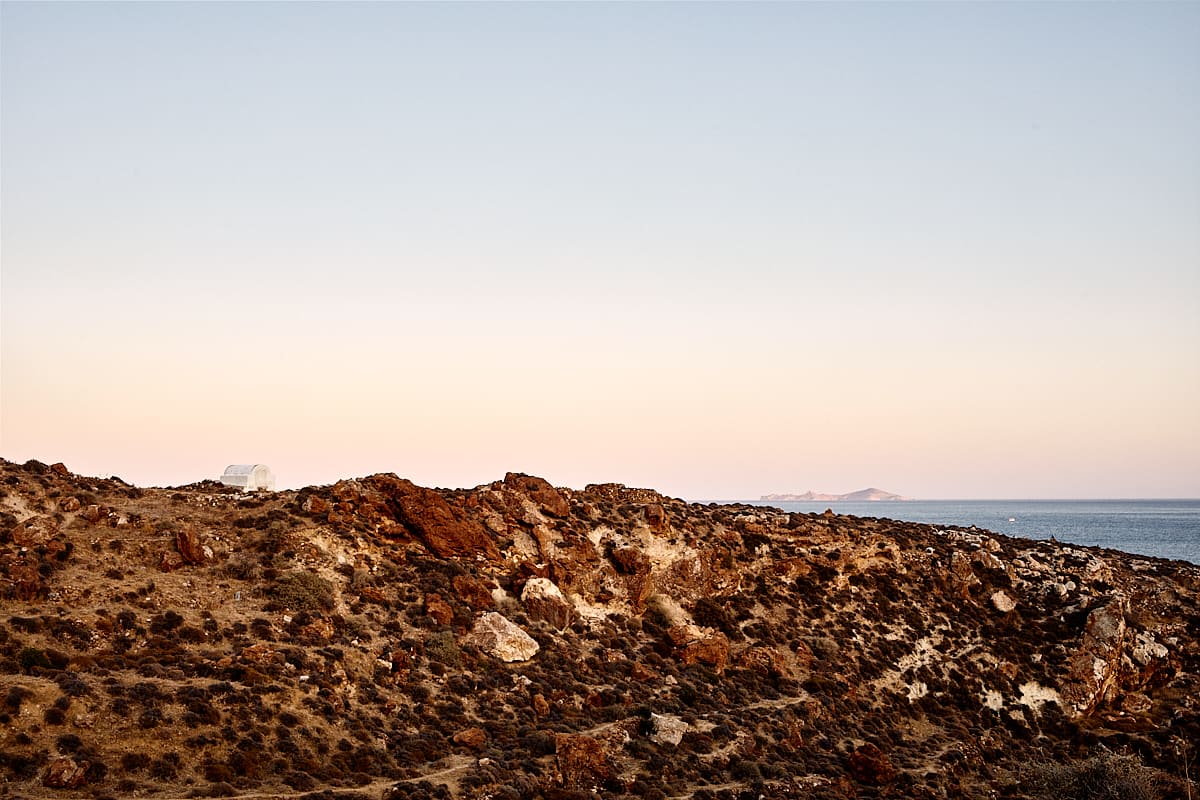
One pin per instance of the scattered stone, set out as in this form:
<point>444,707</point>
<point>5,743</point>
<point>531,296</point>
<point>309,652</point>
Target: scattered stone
<point>500,637</point>
<point>1003,602</point>
<point>473,738</point>
<point>474,592</point>
<point>668,729</point>
<point>66,773</point>
<point>438,609</point>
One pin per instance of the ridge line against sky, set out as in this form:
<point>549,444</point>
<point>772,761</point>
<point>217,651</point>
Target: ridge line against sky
<point>710,249</point>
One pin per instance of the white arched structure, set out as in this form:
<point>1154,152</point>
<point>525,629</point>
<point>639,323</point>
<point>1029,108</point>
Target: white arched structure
<point>249,477</point>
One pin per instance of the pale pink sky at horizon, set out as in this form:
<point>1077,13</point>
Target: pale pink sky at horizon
<point>947,250</point>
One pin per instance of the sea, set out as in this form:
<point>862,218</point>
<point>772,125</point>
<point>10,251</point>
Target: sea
<point>1159,528</point>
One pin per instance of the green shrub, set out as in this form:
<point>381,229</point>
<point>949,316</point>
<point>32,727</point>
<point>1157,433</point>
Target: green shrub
<point>300,591</point>
<point>442,648</point>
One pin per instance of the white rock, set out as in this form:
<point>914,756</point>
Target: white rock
<point>1003,602</point>
<point>668,729</point>
<point>500,637</point>
<point>1146,649</point>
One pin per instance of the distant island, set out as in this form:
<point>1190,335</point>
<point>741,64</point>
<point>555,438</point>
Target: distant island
<point>861,494</point>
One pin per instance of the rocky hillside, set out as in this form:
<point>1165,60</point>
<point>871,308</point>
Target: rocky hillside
<point>378,639</point>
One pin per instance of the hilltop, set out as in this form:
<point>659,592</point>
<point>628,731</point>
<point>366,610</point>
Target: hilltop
<point>378,639</point>
<point>862,494</point>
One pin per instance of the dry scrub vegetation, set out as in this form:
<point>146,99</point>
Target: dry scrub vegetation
<point>198,642</point>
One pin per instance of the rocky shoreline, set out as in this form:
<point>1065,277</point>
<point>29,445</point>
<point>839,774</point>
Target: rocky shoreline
<point>375,638</point>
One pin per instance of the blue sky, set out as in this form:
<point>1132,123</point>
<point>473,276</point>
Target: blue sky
<point>950,249</point>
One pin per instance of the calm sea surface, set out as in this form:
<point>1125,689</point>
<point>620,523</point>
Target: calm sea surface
<point>1162,528</point>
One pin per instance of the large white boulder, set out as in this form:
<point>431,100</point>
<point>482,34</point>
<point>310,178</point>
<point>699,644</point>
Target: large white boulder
<point>502,638</point>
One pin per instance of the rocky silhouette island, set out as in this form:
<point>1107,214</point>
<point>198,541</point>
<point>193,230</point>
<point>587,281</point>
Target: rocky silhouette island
<point>379,639</point>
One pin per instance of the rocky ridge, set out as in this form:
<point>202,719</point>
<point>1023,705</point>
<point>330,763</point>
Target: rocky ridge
<point>381,639</point>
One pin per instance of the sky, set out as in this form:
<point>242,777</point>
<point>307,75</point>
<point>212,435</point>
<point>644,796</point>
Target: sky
<point>951,250</point>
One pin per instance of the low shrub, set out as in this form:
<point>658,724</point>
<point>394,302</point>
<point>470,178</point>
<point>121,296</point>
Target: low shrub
<point>300,591</point>
<point>1103,777</point>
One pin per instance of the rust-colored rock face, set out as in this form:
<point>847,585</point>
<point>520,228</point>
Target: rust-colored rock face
<point>396,507</point>
<point>765,661</point>
<point>187,542</point>
<point>426,513</point>
<point>548,499</point>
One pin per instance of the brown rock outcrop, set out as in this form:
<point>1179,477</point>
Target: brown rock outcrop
<point>432,520</point>
<point>474,592</point>
<point>66,773</point>
<point>438,609</point>
<point>190,548</point>
<point>34,531</point>
<point>544,601</point>
<point>582,763</point>
<point>548,499</point>
<point>694,645</point>
<point>764,661</point>
<point>1094,671</point>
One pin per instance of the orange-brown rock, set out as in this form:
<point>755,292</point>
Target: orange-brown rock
<point>60,469</point>
<point>548,499</point>
<point>582,763</point>
<point>630,560</point>
<point>656,516</point>
<point>93,513</point>
<point>187,542</point>
<point>317,506</point>
<point>431,519</point>
<point>764,661</point>
<point>438,609</point>
<point>69,504</point>
<point>694,645</point>
<point>35,531</point>
<point>319,628</point>
<point>473,738</point>
<point>27,582</point>
<point>66,773</point>
<point>170,562</point>
<point>260,655</point>
<point>869,765</point>
<point>474,592</point>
